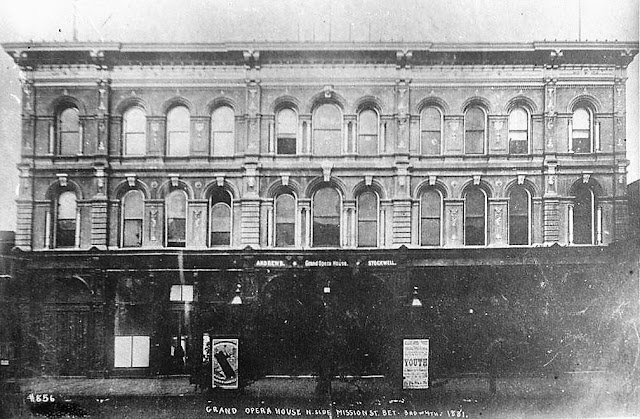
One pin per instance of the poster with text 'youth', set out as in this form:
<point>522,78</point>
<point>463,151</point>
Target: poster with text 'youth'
<point>224,363</point>
<point>415,364</point>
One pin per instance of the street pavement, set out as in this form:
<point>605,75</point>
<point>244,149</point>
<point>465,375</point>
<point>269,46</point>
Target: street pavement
<point>594,395</point>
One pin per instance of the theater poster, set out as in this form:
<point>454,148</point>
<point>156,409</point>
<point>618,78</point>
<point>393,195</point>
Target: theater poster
<point>415,364</point>
<point>224,363</point>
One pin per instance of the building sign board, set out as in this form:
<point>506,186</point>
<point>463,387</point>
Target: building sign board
<point>415,364</point>
<point>224,363</point>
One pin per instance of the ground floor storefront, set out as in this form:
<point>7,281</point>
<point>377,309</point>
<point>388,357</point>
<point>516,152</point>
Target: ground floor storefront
<point>322,313</point>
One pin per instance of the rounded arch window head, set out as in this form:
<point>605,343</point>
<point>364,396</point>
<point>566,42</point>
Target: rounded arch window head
<point>69,131</point>
<point>178,131</point>
<point>368,126</point>
<point>519,212</point>
<point>285,220</point>
<point>286,131</point>
<point>220,217</point>
<point>132,218</point>
<point>66,220</point>
<point>326,209</point>
<point>431,131</point>
<point>519,127</point>
<point>327,130</point>
<point>134,127</point>
<point>223,131</point>
<point>475,211</point>
<point>581,130</point>
<point>475,120</point>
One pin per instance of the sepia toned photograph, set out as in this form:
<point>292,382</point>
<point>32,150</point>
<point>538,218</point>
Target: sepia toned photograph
<point>319,209</point>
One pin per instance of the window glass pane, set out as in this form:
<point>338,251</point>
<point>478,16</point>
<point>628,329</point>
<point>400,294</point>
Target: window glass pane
<point>430,205</point>
<point>581,119</point>
<point>367,219</point>
<point>327,117</point>
<point>327,143</point>
<point>367,145</point>
<point>69,120</point>
<point>518,120</point>
<point>176,231</point>
<point>178,143</point>
<point>431,120</point>
<point>430,232</point>
<point>285,234</point>
<point>122,352</point>
<point>286,145</point>
<point>430,142</point>
<point>132,236</point>
<point>187,293</point>
<point>178,119</point>
<point>368,206</point>
<point>474,120</point>
<point>368,123</point>
<point>135,120</point>
<point>67,206</point>
<point>70,142</point>
<point>287,123</point>
<point>474,142</point>
<point>518,217</point>
<point>583,218</point>
<point>326,218</point>
<point>177,205</point>
<point>176,293</point>
<point>220,224</point>
<point>518,143</point>
<point>474,217</point>
<point>140,352</point>
<point>135,144</point>
<point>285,209</point>
<point>223,144</point>
<point>223,119</point>
<point>367,233</point>
<point>133,204</point>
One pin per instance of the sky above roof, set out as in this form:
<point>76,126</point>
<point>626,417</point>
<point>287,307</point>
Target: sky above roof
<point>305,21</point>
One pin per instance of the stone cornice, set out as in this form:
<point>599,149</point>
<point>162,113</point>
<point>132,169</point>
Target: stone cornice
<point>254,54</point>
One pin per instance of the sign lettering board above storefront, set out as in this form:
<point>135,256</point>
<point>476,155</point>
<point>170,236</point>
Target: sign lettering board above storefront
<point>224,363</point>
<point>315,263</point>
<point>415,364</point>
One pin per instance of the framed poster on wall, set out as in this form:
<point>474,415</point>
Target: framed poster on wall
<point>415,364</point>
<point>224,363</point>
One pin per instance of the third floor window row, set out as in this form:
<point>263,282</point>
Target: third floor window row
<point>326,133</point>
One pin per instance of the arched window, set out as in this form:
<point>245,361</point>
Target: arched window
<point>326,218</point>
<point>430,218</point>
<point>475,210</point>
<point>583,216</point>
<point>135,132</point>
<point>474,131</point>
<point>367,219</point>
<point>178,131</point>
<point>223,131</point>
<point>69,131</point>
<point>519,210</point>
<point>581,130</point>
<point>219,218</point>
<point>327,130</point>
<point>430,131</point>
<point>285,220</point>
<point>176,207</point>
<point>518,131</point>
<point>132,216</point>
<point>286,131</point>
<point>66,220</point>
<point>368,133</point>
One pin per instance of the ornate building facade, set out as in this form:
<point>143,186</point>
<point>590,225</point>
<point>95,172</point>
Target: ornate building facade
<point>158,181</point>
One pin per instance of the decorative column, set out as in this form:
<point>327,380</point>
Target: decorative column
<point>198,223</point>
<point>498,234</point>
<point>551,204</point>
<point>402,110</point>
<point>154,223</point>
<point>453,222</point>
<point>304,207</point>
<point>550,112</point>
<point>102,116</point>
<point>99,214</point>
